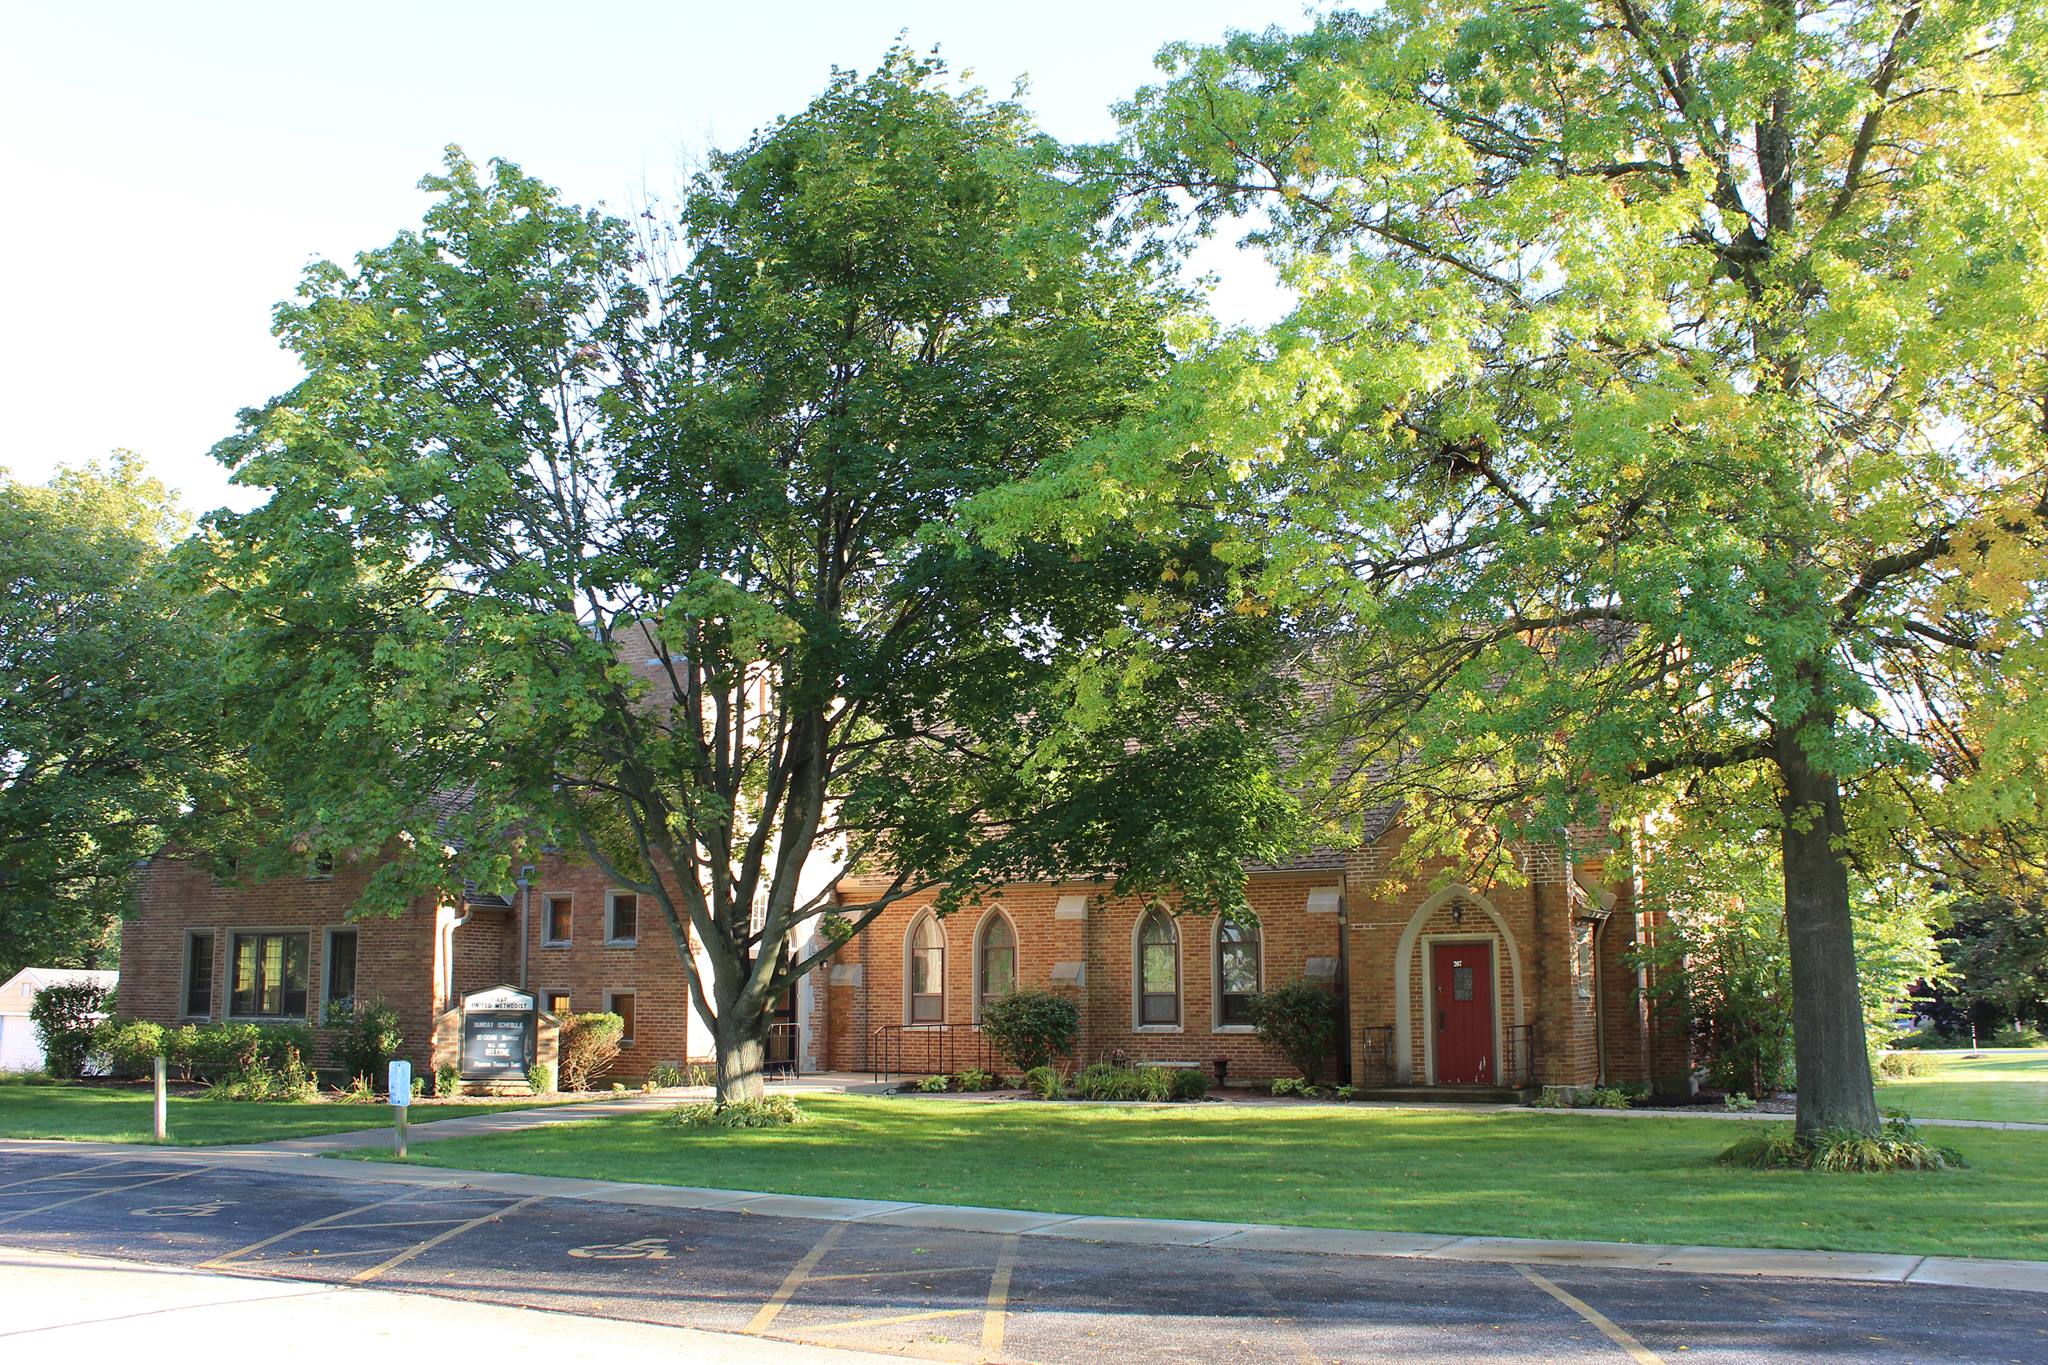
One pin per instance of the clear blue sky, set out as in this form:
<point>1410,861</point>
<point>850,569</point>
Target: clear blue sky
<point>170,168</point>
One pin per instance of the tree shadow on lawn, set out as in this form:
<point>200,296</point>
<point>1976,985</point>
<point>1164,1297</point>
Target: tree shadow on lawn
<point>1399,1171</point>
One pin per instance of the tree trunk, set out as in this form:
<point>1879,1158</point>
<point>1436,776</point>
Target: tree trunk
<point>1828,1047</point>
<point>742,1042</point>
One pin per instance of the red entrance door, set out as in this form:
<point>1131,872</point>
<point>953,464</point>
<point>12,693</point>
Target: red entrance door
<point>1463,977</point>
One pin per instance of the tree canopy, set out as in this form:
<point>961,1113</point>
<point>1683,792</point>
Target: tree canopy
<point>1666,395</point>
<point>639,537</point>
<point>106,705</point>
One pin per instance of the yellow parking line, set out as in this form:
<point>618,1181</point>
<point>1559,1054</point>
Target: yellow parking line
<point>907,1270</point>
<point>892,1321</point>
<point>794,1280</point>
<point>1638,1352</point>
<point>250,1250</point>
<point>1304,1354</point>
<point>374,1271</point>
<point>95,1194</point>
<point>996,1312</point>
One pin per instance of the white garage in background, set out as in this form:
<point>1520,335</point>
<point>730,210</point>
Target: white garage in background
<point>20,1049</point>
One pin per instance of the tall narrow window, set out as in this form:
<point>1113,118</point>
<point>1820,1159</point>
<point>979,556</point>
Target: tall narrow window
<point>621,1004</point>
<point>1158,969</point>
<point>996,963</point>
<point>927,972</point>
<point>555,913</point>
<point>199,975</point>
<point>268,979</point>
<point>341,968</point>
<point>1237,972</point>
<point>622,919</point>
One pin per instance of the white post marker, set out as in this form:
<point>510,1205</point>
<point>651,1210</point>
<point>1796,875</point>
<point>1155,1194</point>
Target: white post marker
<point>400,1084</point>
<point>162,1104</point>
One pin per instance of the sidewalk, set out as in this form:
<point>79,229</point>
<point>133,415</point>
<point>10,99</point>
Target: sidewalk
<point>89,1308</point>
<point>518,1120</point>
<point>2012,1276</point>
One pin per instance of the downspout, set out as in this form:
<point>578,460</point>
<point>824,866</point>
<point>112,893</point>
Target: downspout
<point>1344,978</point>
<point>525,884</point>
<point>1600,1002</point>
<point>453,925</point>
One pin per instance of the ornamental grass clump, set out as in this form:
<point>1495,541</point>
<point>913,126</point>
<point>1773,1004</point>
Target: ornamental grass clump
<point>770,1111</point>
<point>1897,1147</point>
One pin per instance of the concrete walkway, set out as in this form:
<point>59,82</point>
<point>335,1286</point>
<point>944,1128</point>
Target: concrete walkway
<point>546,1116</point>
<point>94,1308</point>
<point>2011,1276</point>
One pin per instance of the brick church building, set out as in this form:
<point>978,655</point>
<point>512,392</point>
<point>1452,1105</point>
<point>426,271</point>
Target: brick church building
<point>1464,989</point>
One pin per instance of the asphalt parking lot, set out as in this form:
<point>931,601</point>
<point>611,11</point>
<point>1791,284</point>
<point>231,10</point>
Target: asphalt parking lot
<point>968,1296</point>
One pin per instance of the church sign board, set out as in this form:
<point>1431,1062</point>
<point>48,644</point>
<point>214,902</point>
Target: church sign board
<point>498,1028</point>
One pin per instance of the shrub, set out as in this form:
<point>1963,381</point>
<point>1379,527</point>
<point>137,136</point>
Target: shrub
<point>1031,1028</point>
<point>1045,1082</point>
<point>1108,1081</point>
<point>1737,1102</point>
<point>65,1016</point>
<point>1289,1085</point>
<point>589,1046</point>
<point>223,1051</point>
<point>2018,1035</point>
<point>618,1087</point>
<point>278,1044</point>
<point>541,1077</point>
<point>667,1076</point>
<point>1896,1147</point>
<point>181,1046</point>
<point>370,1037</point>
<point>976,1079</point>
<point>1899,1064</point>
<point>1299,1019</point>
<point>703,1073</point>
<point>447,1081</point>
<point>931,1085</point>
<point>131,1045</point>
<point>1345,1092</point>
<point>1189,1083</point>
<point>770,1111</point>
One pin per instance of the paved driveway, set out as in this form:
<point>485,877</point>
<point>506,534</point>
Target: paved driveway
<point>967,1296</point>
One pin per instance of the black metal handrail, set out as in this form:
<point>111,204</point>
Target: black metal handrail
<point>928,1050</point>
<point>1376,1060</point>
<point>782,1050</point>
<point>1518,1062</point>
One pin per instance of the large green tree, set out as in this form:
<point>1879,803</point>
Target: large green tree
<point>1666,393</point>
<point>106,705</point>
<point>638,537</point>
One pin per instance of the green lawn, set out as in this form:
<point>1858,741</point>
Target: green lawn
<point>1639,1180</point>
<point>2008,1087</point>
<point>102,1114</point>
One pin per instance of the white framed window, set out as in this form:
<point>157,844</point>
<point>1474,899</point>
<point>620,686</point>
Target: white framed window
<point>1240,971</point>
<point>1156,970</point>
<point>621,919</point>
<point>924,981</point>
<point>995,960</point>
